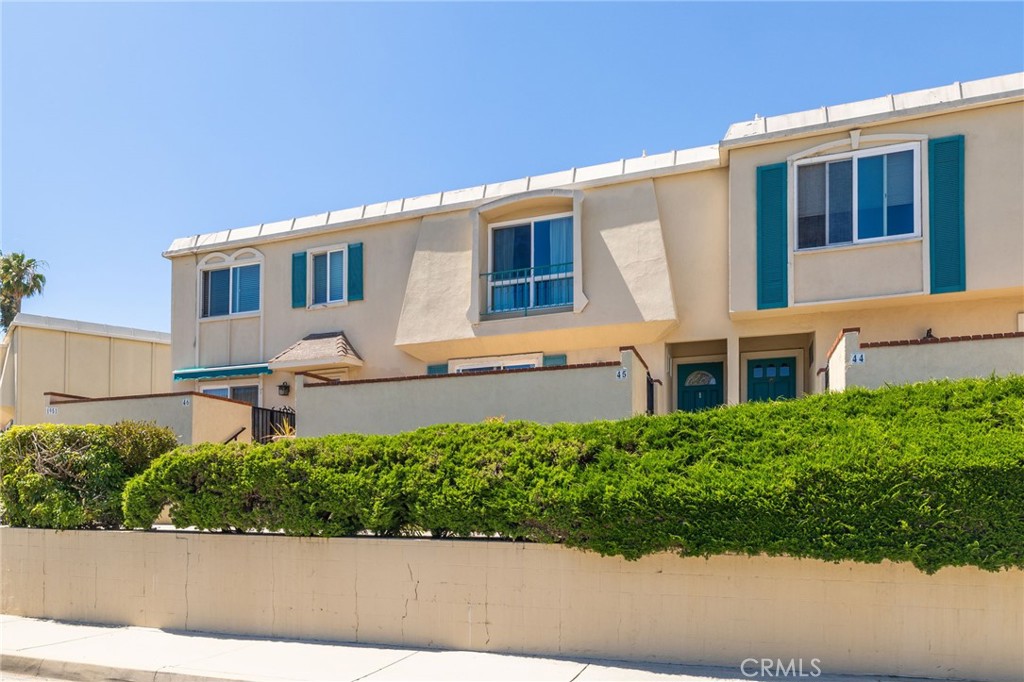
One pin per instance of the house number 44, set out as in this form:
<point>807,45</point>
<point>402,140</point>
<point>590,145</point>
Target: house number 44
<point>856,358</point>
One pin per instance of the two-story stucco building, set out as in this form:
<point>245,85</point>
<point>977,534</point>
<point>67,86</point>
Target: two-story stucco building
<point>858,244</point>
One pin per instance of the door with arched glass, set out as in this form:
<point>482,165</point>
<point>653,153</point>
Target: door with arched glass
<point>699,386</point>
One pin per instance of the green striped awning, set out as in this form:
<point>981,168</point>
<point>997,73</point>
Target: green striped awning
<point>221,372</point>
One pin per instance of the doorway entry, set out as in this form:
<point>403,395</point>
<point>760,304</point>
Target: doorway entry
<point>699,386</point>
<point>771,379</point>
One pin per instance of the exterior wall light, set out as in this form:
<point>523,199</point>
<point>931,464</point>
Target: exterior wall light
<point>283,388</point>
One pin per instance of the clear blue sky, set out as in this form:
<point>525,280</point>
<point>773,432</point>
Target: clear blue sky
<point>127,125</point>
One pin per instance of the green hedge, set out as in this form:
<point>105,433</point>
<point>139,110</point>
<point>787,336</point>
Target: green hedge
<point>58,476</point>
<point>930,473</point>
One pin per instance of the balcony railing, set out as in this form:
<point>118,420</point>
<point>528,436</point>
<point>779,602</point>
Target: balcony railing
<point>529,289</point>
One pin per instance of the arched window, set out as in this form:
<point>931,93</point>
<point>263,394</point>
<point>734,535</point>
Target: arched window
<point>700,378</point>
<point>230,285</point>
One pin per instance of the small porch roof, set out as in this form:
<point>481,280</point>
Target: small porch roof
<point>317,351</point>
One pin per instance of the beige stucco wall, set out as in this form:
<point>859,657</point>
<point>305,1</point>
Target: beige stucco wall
<point>417,289</point>
<point>837,362</point>
<point>993,214</point>
<point>908,364</point>
<point>193,418</point>
<point>6,383</point>
<point>91,365</point>
<point>215,420</point>
<point>542,599</point>
<point>860,271</point>
<point>573,394</point>
<point>369,324</point>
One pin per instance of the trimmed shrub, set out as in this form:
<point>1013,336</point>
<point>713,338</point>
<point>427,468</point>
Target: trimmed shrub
<point>930,473</point>
<point>336,485</point>
<point>59,476</point>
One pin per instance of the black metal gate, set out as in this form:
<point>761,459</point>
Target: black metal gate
<point>270,422</point>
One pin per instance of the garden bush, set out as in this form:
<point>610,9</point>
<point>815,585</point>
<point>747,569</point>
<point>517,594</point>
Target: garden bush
<point>59,476</point>
<point>931,473</point>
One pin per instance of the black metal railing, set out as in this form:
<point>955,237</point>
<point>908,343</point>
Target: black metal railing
<point>527,289</point>
<point>269,422</point>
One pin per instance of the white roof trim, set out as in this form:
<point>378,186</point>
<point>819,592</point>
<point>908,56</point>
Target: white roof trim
<point>758,131</point>
<point>91,328</point>
<point>763,129</point>
<point>624,170</point>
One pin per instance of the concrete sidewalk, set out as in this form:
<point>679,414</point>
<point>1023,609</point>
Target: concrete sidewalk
<point>49,649</point>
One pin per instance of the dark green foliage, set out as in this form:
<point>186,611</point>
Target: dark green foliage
<point>931,473</point>
<point>57,476</point>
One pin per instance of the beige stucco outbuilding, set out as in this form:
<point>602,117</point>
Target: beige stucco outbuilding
<point>42,355</point>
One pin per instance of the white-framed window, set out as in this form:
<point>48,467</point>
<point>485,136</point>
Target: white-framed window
<point>247,393</point>
<point>867,195</point>
<point>496,363</point>
<point>327,271</point>
<point>531,264</point>
<point>230,285</point>
<point>231,290</point>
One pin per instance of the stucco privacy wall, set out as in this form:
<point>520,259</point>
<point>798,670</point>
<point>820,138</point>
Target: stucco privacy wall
<point>573,394</point>
<point>513,597</point>
<point>194,418</point>
<point>920,362</point>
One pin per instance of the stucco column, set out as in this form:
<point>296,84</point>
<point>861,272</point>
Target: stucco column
<point>732,364</point>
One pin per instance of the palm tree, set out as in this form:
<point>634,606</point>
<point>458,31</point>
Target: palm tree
<point>19,278</point>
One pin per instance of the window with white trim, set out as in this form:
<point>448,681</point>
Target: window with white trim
<point>531,264</point>
<point>494,364</point>
<point>327,269</point>
<point>249,393</point>
<point>860,196</point>
<point>231,290</point>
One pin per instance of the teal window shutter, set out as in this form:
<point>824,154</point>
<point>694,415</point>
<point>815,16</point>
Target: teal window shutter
<point>554,360</point>
<point>772,244</point>
<point>946,214</point>
<point>437,369</point>
<point>299,280</point>
<point>355,272</point>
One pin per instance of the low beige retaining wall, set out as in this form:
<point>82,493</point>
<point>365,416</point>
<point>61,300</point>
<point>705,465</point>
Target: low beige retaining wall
<point>543,599</point>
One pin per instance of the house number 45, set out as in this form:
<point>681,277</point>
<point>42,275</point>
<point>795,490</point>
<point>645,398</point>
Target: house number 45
<point>621,374</point>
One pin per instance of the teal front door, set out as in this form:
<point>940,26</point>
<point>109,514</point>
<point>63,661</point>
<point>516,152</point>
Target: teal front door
<point>771,379</point>
<point>699,386</point>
